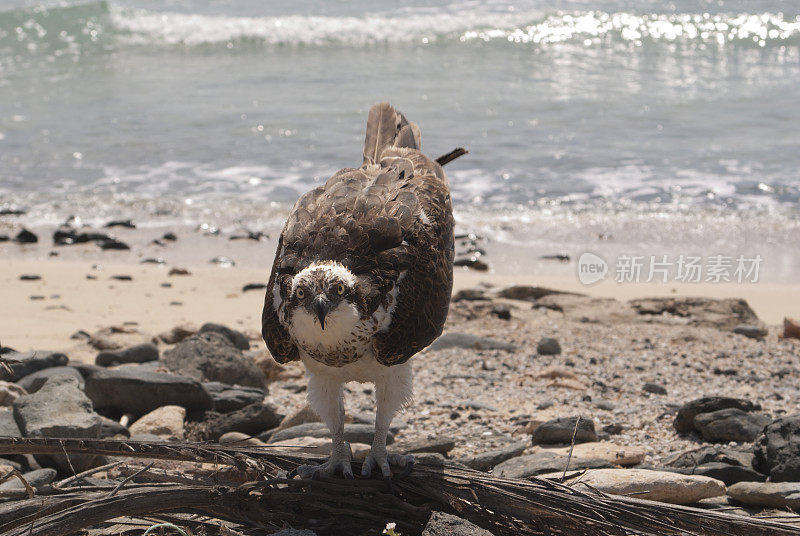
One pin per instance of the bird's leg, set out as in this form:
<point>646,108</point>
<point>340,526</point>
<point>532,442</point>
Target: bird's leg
<point>326,398</point>
<point>391,394</point>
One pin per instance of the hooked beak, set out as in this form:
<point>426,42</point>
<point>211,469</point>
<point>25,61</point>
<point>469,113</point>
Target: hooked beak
<point>321,307</point>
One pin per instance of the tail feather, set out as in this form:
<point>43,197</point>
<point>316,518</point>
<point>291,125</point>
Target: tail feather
<point>386,127</point>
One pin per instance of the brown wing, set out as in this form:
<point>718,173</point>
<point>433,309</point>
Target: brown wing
<point>389,217</point>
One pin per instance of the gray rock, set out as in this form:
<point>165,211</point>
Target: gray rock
<point>236,338</point>
<point>38,479</point>
<point>441,524</point>
<point>711,454</point>
<point>469,341</point>
<point>751,331</point>
<point>8,425</point>
<point>560,431</point>
<point>212,357</point>
<point>110,427</point>
<point>141,353</point>
<point>731,424</point>
<point>502,312</point>
<point>485,461</point>
<point>543,462</point>
<point>730,474</point>
<point>59,409</point>
<point>548,346</point>
<point>33,382</point>
<point>469,294</point>
<point>232,397</point>
<point>777,450</point>
<point>353,433</point>
<point>130,390</point>
<point>684,421</point>
<point>772,494</point>
<point>442,445</point>
<point>654,388</point>
<point>724,314</point>
<point>26,363</point>
<point>251,420</point>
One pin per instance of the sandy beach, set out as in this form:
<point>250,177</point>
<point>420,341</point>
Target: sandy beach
<point>83,295</point>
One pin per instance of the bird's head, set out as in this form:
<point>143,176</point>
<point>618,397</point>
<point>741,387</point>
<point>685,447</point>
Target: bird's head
<point>324,291</point>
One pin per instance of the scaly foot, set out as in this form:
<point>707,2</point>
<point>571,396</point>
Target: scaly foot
<point>385,462</point>
<point>337,464</point>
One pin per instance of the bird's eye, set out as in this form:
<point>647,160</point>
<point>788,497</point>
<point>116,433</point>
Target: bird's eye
<point>300,293</point>
<point>340,289</point>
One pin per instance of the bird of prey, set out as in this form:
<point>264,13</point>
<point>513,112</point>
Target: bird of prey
<point>362,281</point>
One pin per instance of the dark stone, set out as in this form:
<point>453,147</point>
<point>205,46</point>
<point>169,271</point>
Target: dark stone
<point>122,277</point>
<point>251,420</point>
<point>731,424</point>
<point>254,286</point>
<point>232,397</point>
<point>130,390</point>
<point>485,461</point>
<point>777,450</point>
<point>560,431</point>
<point>442,445</point>
<point>64,236</point>
<point>80,335</point>
<point>4,238</point>
<point>469,294</point>
<point>529,293</point>
<point>141,353</point>
<point>236,338</point>
<point>114,244</point>
<point>548,346</point>
<point>472,261</point>
<point>211,357</point>
<point>750,331</point>
<point>30,277</point>
<point>560,257</point>
<point>169,236</point>
<point>654,388</point>
<point>730,474</point>
<point>467,340</point>
<point>26,237</point>
<point>22,364</point>
<point>544,462</point>
<point>502,312</point>
<point>441,524</point>
<point>684,421</point>
<point>711,454</point>
<point>353,433</point>
<point>59,409</point>
<point>12,212</point>
<point>127,224</point>
<point>86,369</point>
<point>92,236</point>
<point>39,479</point>
<point>33,382</point>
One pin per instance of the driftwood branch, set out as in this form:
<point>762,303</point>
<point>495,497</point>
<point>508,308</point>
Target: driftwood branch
<point>452,155</point>
<point>268,499</point>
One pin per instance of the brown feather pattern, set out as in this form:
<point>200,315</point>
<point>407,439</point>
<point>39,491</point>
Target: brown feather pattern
<point>390,217</point>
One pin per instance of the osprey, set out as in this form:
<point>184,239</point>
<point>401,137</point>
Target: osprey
<point>361,282</point>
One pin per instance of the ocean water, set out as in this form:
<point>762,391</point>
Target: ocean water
<point>567,107</point>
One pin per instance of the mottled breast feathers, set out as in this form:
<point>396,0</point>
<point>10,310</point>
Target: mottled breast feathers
<point>391,216</point>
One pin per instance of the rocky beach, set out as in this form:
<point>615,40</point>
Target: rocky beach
<point>663,393</point>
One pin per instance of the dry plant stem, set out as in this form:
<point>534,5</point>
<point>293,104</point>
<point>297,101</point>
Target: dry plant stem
<point>571,447</point>
<point>505,507</point>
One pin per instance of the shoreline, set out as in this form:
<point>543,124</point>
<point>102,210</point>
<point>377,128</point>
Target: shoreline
<point>43,314</point>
